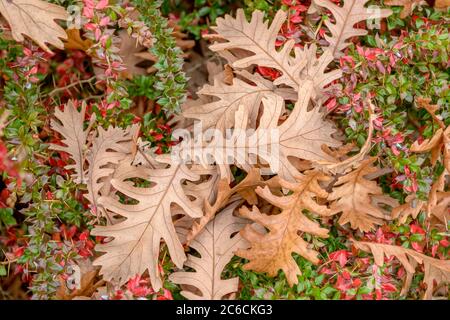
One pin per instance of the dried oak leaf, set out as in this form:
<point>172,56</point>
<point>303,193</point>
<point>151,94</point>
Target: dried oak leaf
<point>437,205</point>
<point>109,147</point>
<point>220,114</point>
<point>441,4</point>
<point>339,167</point>
<point>273,250</point>
<point>136,240</point>
<point>206,189</point>
<point>300,136</point>
<point>35,19</point>
<point>245,188</point>
<point>354,195</point>
<point>216,244</point>
<point>441,210</point>
<point>69,124</point>
<point>228,75</point>
<point>75,42</point>
<point>440,142</point>
<point>303,133</point>
<point>411,208</point>
<point>258,38</point>
<point>129,51</point>
<point>3,118</point>
<point>435,270</point>
<point>434,145</point>
<point>314,70</point>
<point>84,282</point>
<point>351,13</point>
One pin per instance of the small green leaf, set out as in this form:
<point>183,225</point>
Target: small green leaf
<point>2,271</point>
<point>364,290</point>
<point>419,23</point>
<point>6,216</point>
<point>416,237</point>
<point>318,280</point>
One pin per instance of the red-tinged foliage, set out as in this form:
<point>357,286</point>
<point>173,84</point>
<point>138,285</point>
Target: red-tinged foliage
<point>139,287</point>
<point>340,256</point>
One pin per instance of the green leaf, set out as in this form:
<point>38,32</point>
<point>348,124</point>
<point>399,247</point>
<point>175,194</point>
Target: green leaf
<point>416,237</point>
<point>2,271</point>
<point>419,23</point>
<point>6,216</point>
<point>204,11</point>
<point>364,290</point>
<point>318,280</point>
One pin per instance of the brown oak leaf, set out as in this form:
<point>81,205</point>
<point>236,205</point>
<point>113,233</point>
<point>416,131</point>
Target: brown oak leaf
<point>75,42</point>
<point>354,196</point>
<point>351,13</point>
<point>272,251</point>
<point>300,136</point>
<point>245,189</point>
<point>35,19</point>
<point>259,38</point>
<point>69,123</point>
<point>216,244</point>
<point>148,219</point>
<point>109,147</point>
<point>439,144</point>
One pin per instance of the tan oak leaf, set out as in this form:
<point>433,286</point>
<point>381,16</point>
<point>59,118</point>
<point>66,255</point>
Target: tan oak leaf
<point>76,42</point>
<point>441,210</point>
<point>245,189</point>
<point>84,276</point>
<point>216,244</point>
<point>411,208</point>
<point>351,13</point>
<point>109,147</point>
<point>439,144</point>
<point>442,4</point>
<point>148,219</point>
<point>272,251</point>
<point>35,19</point>
<point>315,70</point>
<point>357,198</point>
<point>220,114</point>
<point>437,205</point>
<point>339,167</point>
<point>257,37</point>
<point>303,134</point>
<point>3,120</point>
<point>136,56</point>
<point>300,136</point>
<point>69,123</point>
<point>408,5</point>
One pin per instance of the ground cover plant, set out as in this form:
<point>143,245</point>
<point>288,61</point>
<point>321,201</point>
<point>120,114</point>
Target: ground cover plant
<point>221,149</point>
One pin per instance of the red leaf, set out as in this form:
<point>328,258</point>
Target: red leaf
<point>416,246</point>
<point>416,229</point>
<point>356,283</point>
<point>388,287</point>
<point>341,256</point>
<point>444,243</point>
